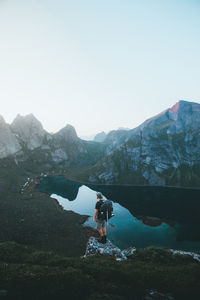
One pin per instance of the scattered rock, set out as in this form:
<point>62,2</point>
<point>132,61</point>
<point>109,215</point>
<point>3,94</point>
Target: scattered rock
<point>155,295</point>
<point>129,251</point>
<point>180,252</point>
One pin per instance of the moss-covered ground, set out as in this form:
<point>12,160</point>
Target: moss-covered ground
<point>27,273</point>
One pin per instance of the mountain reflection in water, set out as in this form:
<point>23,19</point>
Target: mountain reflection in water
<point>144,216</point>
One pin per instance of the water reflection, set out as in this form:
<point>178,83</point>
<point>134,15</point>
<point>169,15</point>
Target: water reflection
<point>60,186</point>
<point>165,203</point>
<point>144,216</point>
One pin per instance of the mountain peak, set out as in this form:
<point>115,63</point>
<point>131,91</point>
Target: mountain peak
<point>68,133</point>
<point>175,107</point>
<point>182,105</point>
<point>29,129</point>
<point>26,118</point>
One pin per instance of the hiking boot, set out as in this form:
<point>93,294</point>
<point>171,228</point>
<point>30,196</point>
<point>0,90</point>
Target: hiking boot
<point>101,240</point>
<point>104,239</point>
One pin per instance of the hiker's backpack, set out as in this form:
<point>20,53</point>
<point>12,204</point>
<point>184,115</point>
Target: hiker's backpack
<point>106,210</point>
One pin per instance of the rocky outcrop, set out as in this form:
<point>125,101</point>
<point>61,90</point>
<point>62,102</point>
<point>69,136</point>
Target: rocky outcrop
<point>9,144</point>
<point>29,131</point>
<point>94,247</point>
<point>195,256</point>
<point>164,150</point>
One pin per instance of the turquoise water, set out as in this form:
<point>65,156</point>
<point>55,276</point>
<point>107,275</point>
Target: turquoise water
<point>144,216</point>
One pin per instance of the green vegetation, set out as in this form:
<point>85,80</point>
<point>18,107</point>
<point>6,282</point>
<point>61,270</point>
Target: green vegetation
<point>31,274</point>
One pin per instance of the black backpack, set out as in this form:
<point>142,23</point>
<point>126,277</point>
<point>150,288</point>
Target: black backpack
<point>106,209</point>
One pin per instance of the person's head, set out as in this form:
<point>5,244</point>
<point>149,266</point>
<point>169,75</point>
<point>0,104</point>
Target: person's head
<point>99,196</point>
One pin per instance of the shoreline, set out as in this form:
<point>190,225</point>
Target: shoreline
<point>153,220</point>
<point>120,184</point>
<point>83,218</point>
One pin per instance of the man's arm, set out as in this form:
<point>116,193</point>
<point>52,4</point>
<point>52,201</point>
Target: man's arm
<point>95,214</point>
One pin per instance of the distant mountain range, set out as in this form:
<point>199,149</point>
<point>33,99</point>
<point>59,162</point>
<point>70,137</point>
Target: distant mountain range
<point>99,137</point>
<point>164,150</point>
<point>25,138</point>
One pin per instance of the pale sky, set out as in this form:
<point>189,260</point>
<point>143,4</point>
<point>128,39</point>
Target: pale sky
<point>97,64</point>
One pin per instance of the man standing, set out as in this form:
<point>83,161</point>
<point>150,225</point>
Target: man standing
<point>101,223</point>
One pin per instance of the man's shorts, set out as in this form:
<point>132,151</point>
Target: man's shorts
<point>100,224</point>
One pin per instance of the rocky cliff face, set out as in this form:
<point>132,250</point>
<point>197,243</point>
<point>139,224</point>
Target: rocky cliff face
<point>29,131</point>
<point>164,150</point>
<point>9,144</point>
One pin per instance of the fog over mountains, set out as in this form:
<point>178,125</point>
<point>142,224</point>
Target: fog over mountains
<point>164,150</point>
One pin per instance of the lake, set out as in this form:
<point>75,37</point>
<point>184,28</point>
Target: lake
<point>144,216</point>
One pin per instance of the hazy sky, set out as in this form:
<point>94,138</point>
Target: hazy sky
<point>97,64</point>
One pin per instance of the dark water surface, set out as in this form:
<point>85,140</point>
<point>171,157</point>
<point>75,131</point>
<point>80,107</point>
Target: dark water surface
<point>144,216</point>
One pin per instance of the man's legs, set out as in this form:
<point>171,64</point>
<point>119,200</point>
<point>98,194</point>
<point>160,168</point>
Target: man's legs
<point>104,235</point>
<point>102,231</point>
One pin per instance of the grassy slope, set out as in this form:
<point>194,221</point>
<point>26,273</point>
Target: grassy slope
<point>33,274</point>
<point>33,219</point>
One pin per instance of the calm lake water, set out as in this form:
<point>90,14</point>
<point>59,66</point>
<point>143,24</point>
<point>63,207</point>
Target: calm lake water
<point>144,216</point>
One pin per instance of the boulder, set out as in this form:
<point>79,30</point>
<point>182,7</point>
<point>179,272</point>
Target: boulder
<point>94,247</point>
